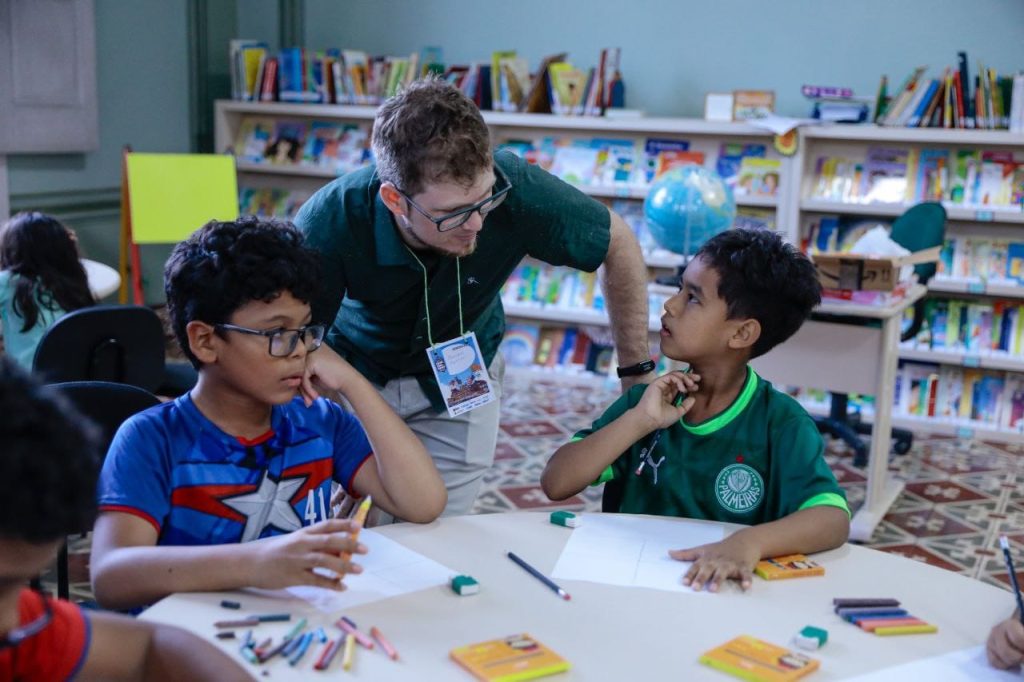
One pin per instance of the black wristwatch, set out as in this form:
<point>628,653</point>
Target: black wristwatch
<point>636,370</point>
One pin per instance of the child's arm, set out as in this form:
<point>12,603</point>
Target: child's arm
<point>129,570</point>
<point>803,532</point>
<point>122,648</point>
<point>577,464</point>
<point>403,481</point>
<point>1005,645</point>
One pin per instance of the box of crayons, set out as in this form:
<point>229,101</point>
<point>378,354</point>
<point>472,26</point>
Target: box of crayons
<point>750,658</point>
<point>791,566</point>
<point>882,617</point>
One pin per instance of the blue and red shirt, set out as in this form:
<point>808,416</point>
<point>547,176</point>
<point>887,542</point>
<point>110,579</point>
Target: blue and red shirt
<point>197,485</point>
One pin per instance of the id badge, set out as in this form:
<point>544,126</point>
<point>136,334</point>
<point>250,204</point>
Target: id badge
<point>461,374</point>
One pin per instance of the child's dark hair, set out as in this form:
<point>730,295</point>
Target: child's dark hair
<point>43,253</point>
<point>48,463</point>
<point>764,278</point>
<point>224,265</point>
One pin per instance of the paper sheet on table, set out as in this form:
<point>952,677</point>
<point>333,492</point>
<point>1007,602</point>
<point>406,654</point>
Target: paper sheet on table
<point>966,665</point>
<point>389,570</point>
<point>632,551</point>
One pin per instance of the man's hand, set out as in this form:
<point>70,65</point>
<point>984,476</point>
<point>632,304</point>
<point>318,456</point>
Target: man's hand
<point>732,558</point>
<point>288,560</point>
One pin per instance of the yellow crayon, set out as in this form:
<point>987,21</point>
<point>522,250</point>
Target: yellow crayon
<point>350,652</point>
<point>360,518</point>
<point>907,630</point>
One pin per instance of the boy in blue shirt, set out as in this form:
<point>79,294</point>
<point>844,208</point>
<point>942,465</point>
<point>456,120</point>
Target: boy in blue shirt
<point>229,486</point>
<point>745,452</point>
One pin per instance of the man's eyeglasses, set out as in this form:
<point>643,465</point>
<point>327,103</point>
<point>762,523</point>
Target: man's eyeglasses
<point>451,221</point>
<point>283,342</point>
<point>22,632</point>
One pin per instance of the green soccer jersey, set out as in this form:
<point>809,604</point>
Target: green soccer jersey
<point>758,461</point>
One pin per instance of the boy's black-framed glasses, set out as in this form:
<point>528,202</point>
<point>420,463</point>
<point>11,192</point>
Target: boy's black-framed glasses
<point>283,342</point>
<point>450,221</point>
<point>22,632</point>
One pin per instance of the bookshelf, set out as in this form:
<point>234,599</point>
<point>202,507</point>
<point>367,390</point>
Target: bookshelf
<point>795,206</point>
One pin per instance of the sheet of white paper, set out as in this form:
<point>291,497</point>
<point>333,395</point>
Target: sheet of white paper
<point>780,125</point>
<point>966,665</point>
<point>389,569</point>
<point>631,550</point>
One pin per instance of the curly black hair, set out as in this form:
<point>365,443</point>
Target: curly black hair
<point>764,278</point>
<point>224,265</point>
<point>49,461</point>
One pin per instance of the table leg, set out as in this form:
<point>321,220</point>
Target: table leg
<point>882,490</point>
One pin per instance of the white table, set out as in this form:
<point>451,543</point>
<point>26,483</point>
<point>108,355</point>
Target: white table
<point>615,633</point>
<point>847,358</point>
<point>103,279</point>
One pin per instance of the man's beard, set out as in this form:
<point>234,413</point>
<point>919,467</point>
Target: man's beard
<point>421,245</point>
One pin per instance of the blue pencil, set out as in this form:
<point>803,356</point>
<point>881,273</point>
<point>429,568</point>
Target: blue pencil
<point>540,576</point>
<point>1005,544</point>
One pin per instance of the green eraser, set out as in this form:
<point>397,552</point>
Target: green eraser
<point>819,634</point>
<point>464,585</point>
<point>564,518</point>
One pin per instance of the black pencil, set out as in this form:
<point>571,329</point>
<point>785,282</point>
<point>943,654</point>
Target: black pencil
<point>540,576</point>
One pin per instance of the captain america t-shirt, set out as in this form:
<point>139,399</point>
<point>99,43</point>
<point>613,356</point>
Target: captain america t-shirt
<point>197,485</point>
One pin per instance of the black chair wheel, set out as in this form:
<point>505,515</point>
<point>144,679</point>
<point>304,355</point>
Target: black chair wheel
<point>902,446</point>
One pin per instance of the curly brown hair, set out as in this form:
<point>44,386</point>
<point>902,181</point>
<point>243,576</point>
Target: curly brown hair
<point>430,132</point>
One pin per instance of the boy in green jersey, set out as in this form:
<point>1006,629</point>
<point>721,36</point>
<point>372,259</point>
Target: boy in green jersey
<point>745,452</point>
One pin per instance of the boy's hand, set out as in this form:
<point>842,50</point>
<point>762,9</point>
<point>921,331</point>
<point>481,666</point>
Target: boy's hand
<point>656,405</point>
<point>326,371</point>
<point>288,560</point>
<point>733,558</point>
<point>1005,645</point>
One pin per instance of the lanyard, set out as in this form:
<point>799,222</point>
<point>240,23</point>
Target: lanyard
<point>426,294</point>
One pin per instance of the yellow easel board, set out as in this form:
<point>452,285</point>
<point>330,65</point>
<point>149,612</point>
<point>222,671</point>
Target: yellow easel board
<point>173,195</point>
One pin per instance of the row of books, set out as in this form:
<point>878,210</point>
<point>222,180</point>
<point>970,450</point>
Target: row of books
<point>982,259</point>
<point>550,286</point>
<point>895,175</point>
<point>976,327</point>
<point>950,102</point>
<point>271,203</point>
<point>528,345</point>
<point>332,76</point>
<point>338,147</point>
<point>960,394</point>
<point>635,164</point>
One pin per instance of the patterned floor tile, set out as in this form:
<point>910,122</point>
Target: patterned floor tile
<point>919,553</point>
<point>943,491</point>
<point>927,523</point>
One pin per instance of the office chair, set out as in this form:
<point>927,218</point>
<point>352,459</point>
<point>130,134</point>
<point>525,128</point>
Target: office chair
<point>921,227</point>
<point>118,343</point>
<point>108,405</point>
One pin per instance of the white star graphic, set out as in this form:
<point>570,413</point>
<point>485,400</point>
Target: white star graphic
<point>269,505</point>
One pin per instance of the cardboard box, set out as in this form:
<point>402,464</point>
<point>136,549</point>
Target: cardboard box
<point>865,272</point>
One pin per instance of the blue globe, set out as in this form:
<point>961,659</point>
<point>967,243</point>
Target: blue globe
<point>690,199</point>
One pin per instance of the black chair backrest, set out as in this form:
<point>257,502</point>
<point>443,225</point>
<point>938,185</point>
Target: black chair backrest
<point>106,403</point>
<point>118,343</point>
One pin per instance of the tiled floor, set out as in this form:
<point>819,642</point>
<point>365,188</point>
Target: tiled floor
<point>960,496</point>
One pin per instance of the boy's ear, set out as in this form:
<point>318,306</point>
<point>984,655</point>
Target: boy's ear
<point>202,339</point>
<point>745,334</point>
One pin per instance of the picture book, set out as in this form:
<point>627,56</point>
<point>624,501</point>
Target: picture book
<point>789,566</point>
<point>731,155</point>
<point>567,85</point>
<point>253,138</point>
<point>758,176</point>
<point>520,344</point>
<point>1015,262</point>
<point>669,159</point>
<point>575,164</point>
<point>518,657</point>
<point>885,175</point>
<point>932,178</point>
<point>287,143</point>
<point>616,161</point>
<point>1013,405</point>
<point>963,184</point>
<point>751,218</point>
<point>747,104</point>
<point>653,147</point>
<point>753,659</point>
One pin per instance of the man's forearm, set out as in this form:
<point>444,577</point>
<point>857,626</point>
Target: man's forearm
<point>625,289</point>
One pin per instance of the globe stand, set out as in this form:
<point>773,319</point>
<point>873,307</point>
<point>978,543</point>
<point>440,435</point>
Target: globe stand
<point>676,278</point>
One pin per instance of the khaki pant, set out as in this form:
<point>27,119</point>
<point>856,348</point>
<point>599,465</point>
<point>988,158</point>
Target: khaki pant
<point>462,447</point>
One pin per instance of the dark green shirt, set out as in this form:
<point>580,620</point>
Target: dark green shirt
<point>372,287</point>
<point>758,461</point>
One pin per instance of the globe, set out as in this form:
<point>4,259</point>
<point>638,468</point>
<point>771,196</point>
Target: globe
<point>687,206</point>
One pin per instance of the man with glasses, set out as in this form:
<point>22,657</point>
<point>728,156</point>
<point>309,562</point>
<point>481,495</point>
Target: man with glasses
<point>415,250</point>
<point>48,467</point>
<point>229,485</point>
